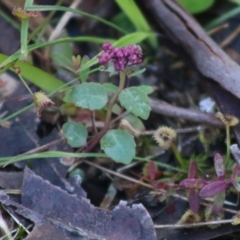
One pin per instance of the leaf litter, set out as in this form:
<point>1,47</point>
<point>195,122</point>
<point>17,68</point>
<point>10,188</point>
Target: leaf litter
<point>57,214</point>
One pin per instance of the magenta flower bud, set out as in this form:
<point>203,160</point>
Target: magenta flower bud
<point>121,57</point>
<point>104,58</point>
<point>107,46</point>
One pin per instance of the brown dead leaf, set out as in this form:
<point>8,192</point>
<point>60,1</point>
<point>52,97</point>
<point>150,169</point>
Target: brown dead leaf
<point>43,202</point>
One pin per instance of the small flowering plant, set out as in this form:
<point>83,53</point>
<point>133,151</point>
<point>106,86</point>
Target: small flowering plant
<point>118,144</point>
<point>89,100</point>
<point>215,189</point>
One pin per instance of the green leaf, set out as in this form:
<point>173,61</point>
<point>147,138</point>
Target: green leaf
<point>78,174</point>
<point>84,73</point>
<point>8,61</point>
<point>110,88</point>
<point>235,1</point>
<point>65,95</point>
<point>62,61</point>
<point>146,89</point>
<point>116,109</point>
<point>62,53</point>
<point>138,72</point>
<point>136,102</point>
<point>72,10</point>
<point>122,20</point>
<point>75,133</point>
<point>196,6</point>
<point>40,78</point>
<point>119,145</point>
<point>92,96</point>
<point>132,38</point>
<point>134,14</point>
<point>135,122</point>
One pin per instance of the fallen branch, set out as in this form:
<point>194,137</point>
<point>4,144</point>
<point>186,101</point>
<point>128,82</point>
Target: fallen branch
<point>166,109</point>
<point>185,33</point>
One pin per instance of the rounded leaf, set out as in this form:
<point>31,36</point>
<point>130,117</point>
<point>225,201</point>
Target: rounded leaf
<point>92,96</point>
<point>75,133</point>
<point>119,145</point>
<point>146,89</point>
<point>135,122</point>
<point>110,88</point>
<point>136,102</point>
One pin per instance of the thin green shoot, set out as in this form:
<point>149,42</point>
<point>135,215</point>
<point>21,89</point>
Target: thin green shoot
<point>25,84</point>
<point>137,19</point>
<point>228,144</point>
<point>67,9</point>
<point>59,154</point>
<point>223,18</point>
<point>178,156</point>
<point>41,28</point>
<point>9,20</point>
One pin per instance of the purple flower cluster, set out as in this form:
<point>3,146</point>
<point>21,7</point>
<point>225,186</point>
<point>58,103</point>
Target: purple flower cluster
<point>121,57</point>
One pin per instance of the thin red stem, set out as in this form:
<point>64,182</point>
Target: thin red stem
<point>113,100</point>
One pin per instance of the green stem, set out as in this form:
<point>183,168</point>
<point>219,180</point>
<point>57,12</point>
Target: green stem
<point>50,154</point>
<point>160,164</point>
<point>25,84</point>
<point>178,156</point>
<point>16,113</point>
<point>113,100</point>
<point>24,31</point>
<point>228,143</point>
<point>24,39</point>
<point>40,29</point>
<point>76,11</point>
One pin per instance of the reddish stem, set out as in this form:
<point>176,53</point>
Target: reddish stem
<point>113,100</point>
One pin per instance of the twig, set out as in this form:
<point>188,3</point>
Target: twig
<point>201,224</point>
<point>218,28</point>
<point>230,38</point>
<point>119,175</point>
<point>186,36</point>
<point>63,21</point>
<point>187,114</point>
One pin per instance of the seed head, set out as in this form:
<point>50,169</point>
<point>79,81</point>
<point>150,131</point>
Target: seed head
<point>164,136</point>
<point>41,101</point>
<point>236,219</point>
<point>227,119</point>
<point>189,217</point>
<point>19,12</point>
<point>210,216</point>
